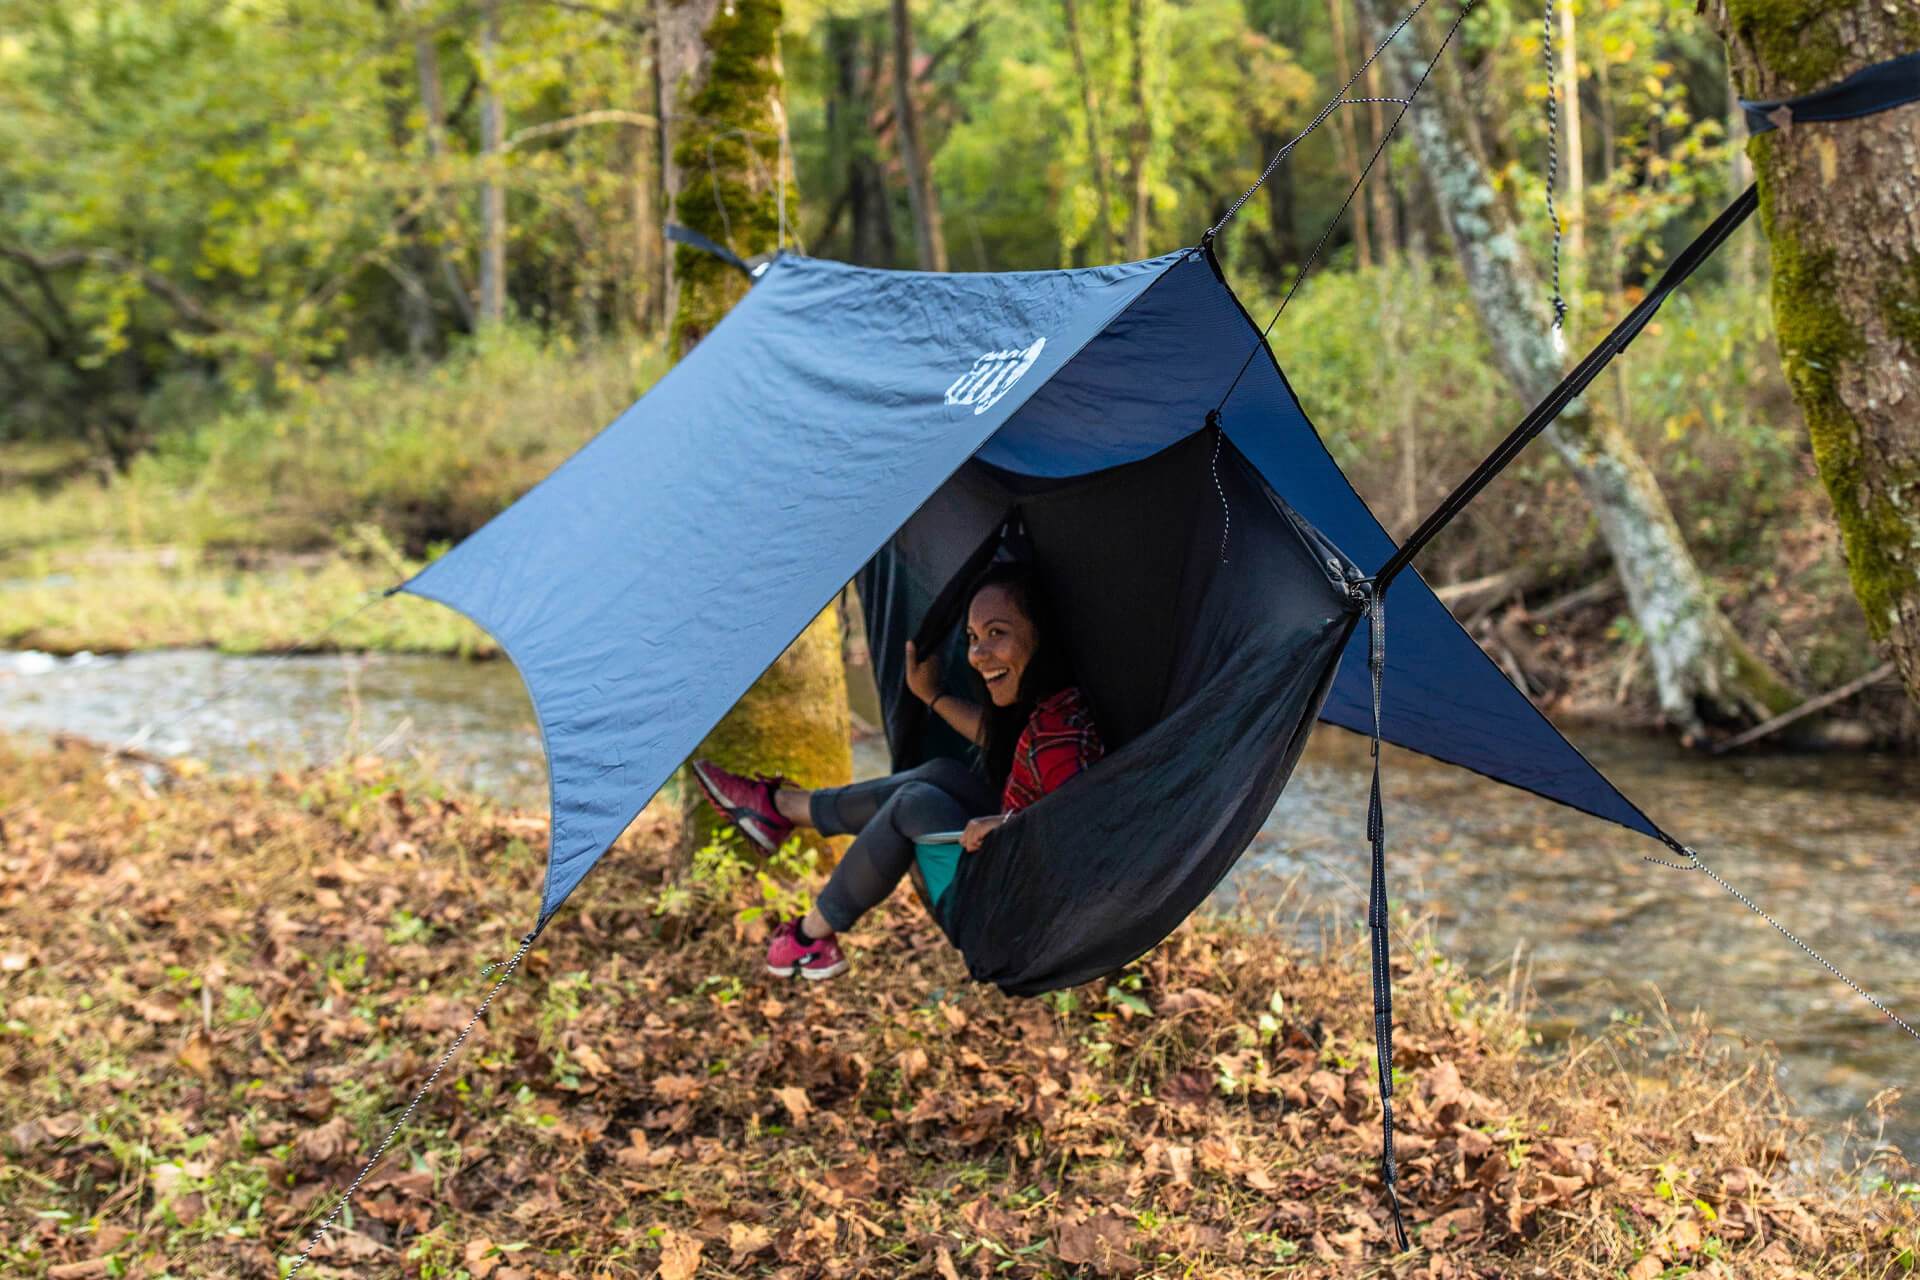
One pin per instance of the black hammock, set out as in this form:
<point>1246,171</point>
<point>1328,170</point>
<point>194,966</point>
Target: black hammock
<point>1206,621</point>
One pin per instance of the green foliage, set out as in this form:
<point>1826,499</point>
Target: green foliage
<point>427,453</point>
<point>1407,409</point>
<point>190,186</point>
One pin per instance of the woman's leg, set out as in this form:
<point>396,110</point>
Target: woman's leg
<point>846,811</point>
<point>883,852</point>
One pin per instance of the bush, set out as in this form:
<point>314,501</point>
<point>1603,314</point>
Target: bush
<point>427,453</point>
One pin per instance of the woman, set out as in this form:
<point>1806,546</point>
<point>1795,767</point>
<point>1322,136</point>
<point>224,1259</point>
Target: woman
<point>1033,732</point>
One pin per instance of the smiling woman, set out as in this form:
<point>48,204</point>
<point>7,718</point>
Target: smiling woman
<point>1032,732</point>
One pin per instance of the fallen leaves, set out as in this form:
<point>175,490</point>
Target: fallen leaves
<point>263,1004</point>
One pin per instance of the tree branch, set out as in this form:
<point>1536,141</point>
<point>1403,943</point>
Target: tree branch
<point>183,302</point>
<point>585,119</point>
<point>11,296</point>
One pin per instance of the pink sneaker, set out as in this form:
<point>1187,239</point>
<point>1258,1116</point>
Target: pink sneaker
<point>745,802</point>
<point>787,952</point>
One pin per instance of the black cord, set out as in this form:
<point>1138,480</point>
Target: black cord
<point>1327,231</point>
<point>1334,103</point>
<point>1553,166</point>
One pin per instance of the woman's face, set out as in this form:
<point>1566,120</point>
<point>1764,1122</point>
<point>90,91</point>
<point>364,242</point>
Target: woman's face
<point>1000,642</point>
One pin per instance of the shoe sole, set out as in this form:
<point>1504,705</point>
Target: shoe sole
<point>759,838</point>
<point>811,975</point>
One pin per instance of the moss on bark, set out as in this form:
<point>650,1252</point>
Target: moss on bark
<point>728,155</point>
<point>1816,341</point>
<point>727,152</point>
<point>1797,40</point>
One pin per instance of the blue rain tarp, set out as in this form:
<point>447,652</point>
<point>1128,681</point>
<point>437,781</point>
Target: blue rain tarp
<point>643,586</point>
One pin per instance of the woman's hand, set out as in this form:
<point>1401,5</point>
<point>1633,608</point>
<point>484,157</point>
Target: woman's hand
<point>923,675</point>
<point>975,833</point>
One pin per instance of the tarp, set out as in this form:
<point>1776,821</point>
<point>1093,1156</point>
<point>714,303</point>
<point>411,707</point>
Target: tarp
<point>643,586</point>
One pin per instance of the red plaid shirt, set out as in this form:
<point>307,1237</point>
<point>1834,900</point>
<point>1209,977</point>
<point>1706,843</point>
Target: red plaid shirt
<point>1058,742</point>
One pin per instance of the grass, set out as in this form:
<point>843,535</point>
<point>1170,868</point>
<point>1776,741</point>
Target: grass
<point>253,529</point>
<point>215,994</point>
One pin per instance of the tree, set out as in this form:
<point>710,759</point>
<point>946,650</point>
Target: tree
<point>493,188</point>
<point>1702,670</point>
<point>1837,203</point>
<point>720,61</point>
<point>929,241</point>
<point>1139,133</point>
<point>1096,132</point>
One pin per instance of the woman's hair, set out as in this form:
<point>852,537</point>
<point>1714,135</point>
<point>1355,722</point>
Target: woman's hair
<point>1047,672</point>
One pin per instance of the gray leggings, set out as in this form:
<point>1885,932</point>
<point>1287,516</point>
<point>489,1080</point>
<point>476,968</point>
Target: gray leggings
<point>884,815</point>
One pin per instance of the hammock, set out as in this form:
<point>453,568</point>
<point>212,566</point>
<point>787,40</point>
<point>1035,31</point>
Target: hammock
<point>1205,652</point>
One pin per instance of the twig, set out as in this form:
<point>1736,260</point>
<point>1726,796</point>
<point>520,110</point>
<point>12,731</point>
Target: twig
<point>1593,593</point>
<point>1805,709</point>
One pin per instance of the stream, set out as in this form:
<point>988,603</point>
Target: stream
<point>1826,842</point>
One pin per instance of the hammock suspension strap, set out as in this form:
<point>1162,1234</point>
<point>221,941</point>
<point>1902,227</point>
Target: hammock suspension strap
<point>1880,87</point>
<point>1377,916</point>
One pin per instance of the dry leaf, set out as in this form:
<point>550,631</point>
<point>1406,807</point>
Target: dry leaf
<point>478,1260</point>
<point>796,1103</point>
<point>744,1240</point>
<point>679,1256</point>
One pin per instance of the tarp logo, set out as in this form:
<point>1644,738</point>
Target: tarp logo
<point>992,376</point>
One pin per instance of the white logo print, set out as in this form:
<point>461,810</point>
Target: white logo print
<point>992,376</point>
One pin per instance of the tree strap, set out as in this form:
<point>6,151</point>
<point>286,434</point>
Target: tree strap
<point>1377,917</point>
<point>1542,415</point>
<point>750,267</point>
<point>1868,91</point>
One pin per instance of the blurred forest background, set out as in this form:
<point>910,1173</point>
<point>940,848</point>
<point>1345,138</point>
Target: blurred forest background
<point>293,294</point>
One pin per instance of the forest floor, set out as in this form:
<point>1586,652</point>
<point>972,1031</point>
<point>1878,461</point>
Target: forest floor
<point>217,993</point>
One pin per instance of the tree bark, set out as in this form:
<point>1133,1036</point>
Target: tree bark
<point>426,65</point>
<point>1703,672</point>
<point>491,305</point>
<point>1840,203</point>
<point>649,233</point>
<point>1386,230</point>
<point>1096,133</point>
<point>929,241</point>
<point>726,128</point>
<point>1346,131</point>
<point>1140,132</point>
<point>720,61</point>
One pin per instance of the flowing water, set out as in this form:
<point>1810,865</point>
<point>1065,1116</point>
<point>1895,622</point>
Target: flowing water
<point>1827,842</point>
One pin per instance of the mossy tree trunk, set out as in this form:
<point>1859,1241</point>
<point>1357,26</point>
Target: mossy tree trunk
<point>1840,203</point>
<point>1702,670</point>
<point>726,136</point>
<point>720,66</point>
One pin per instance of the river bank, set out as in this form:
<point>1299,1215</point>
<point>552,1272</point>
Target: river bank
<point>218,988</point>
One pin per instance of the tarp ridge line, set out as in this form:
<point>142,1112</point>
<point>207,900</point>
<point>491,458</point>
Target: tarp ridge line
<point>1326,231</point>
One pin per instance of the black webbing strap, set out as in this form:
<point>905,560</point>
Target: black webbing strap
<point>1377,916</point>
<point>705,244</point>
<point>1880,87</point>
<point>1543,414</point>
